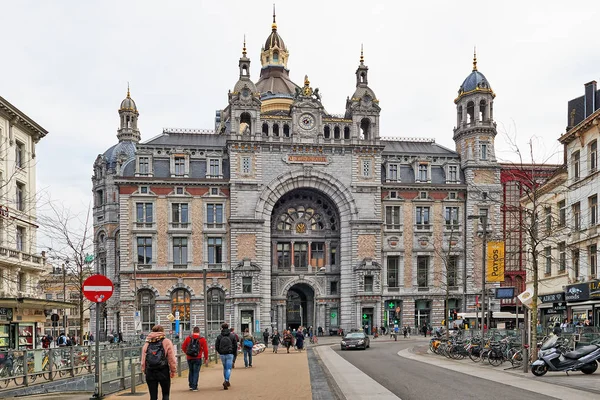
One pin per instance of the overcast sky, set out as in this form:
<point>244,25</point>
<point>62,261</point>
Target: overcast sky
<point>66,64</point>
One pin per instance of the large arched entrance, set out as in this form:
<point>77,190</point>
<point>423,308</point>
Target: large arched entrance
<point>300,306</point>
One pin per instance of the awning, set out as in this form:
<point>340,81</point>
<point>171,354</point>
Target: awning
<point>584,303</point>
<point>33,303</point>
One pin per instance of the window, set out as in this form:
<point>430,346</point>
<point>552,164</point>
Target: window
<point>452,217</point>
<point>144,215</point>
<point>548,255</point>
<point>317,254</point>
<point>301,255</point>
<point>423,195</point>
<point>144,250</point>
<point>179,164</point>
<point>215,250</point>
<point>393,172</point>
<point>593,156</point>
<point>19,159</point>
<point>422,218</point>
<point>452,195</point>
<point>575,164</point>
<point>180,303</point>
<point>576,208</point>
<point>214,215</point>
<point>548,212</point>
<point>422,271</point>
<point>180,251</point>
<point>593,205</point>
<point>368,287</point>
<point>593,255</point>
<point>60,296</point>
<point>333,287</point>
<point>147,304</point>
<point>393,271</point>
<point>247,284</point>
<point>452,271</point>
<point>366,168</point>
<point>245,165</point>
<point>392,217</point>
<point>144,190</point>
<point>216,309</point>
<point>575,255</point>
<point>483,148</point>
<point>562,213</point>
<point>452,173</point>
<point>180,215</point>
<point>179,190</point>
<point>333,255</point>
<point>48,296</point>
<point>102,263</point>
<point>562,257</point>
<point>22,282</point>
<point>422,173</point>
<point>283,256</point>
<point>20,197</point>
<point>144,165</point>
<point>214,170</point>
<point>20,238</point>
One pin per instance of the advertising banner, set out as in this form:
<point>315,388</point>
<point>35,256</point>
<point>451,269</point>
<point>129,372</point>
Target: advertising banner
<point>495,262</point>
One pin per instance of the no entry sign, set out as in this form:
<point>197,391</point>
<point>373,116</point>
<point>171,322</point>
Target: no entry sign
<point>98,288</point>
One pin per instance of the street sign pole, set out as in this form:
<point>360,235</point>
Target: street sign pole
<point>97,384</point>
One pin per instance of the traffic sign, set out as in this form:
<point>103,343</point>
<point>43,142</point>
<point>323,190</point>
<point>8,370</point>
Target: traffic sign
<point>98,288</point>
<point>54,318</point>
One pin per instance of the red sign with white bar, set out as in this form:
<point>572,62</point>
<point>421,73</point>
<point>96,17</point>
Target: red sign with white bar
<point>97,288</point>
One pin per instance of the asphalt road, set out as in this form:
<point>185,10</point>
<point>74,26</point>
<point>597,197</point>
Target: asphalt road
<point>412,380</point>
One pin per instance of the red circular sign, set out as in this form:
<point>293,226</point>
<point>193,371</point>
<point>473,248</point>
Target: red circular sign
<point>98,288</point>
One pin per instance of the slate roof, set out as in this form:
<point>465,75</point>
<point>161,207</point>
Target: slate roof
<point>187,139</point>
<point>112,154</point>
<point>416,147</point>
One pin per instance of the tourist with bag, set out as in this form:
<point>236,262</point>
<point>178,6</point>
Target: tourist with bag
<point>275,340</point>
<point>226,345</point>
<point>247,344</point>
<point>158,362</point>
<point>195,349</point>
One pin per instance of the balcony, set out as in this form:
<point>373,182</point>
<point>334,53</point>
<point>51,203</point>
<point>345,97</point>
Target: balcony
<point>20,258</point>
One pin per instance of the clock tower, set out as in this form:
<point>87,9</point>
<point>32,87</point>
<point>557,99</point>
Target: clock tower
<point>307,112</point>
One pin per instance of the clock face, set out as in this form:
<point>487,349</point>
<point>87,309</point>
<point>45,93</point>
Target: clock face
<point>307,121</point>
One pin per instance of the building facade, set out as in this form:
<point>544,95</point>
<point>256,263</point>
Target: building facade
<point>287,215</point>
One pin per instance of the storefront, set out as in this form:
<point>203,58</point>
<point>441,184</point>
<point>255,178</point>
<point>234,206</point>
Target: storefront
<point>553,309</point>
<point>583,302</point>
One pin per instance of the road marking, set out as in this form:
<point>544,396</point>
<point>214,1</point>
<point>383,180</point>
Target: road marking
<point>97,289</point>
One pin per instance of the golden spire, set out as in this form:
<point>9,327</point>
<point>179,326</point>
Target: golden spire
<point>128,94</point>
<point>362,57</point>
<point>474,58</point>
<point>244,48</point>
<point>274,26</point>
<point>306,81</point>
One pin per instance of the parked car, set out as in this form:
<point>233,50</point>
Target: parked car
<point>356,340</point>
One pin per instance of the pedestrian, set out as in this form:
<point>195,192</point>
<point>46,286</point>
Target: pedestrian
<point>235,353</point>
<point>557,329</point>
<point>424,330</point>
<point>294,335</point>
<point>226,345</point>
<point>320,331</point>
<point>91,337</point>
<point>62,340</point>
<point>300,339</point>
<point>46,341</point>
<point>158,363</point>
<point>266,337</point>
<point>287,340</point>
<point>275,340</point>
<point>195,349</point>
<point>405,332</point>
<point>247,345</point>
<point>120,337</point>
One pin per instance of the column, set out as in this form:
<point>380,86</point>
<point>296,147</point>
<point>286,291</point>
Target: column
<point>326,252</point>
<point>309,253</point>
<point>275,260</point>
<point>292,256</point>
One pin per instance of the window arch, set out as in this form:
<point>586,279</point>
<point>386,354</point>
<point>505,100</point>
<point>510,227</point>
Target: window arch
<point>336,132</point>
<point>470,112</point>
<point>286,130</point>
<point>346,133</point>
<point>180,302</point>
<point>245,123</point>
<point>365,128</point>
<point>147,307</point>
<point>275,56</point>
<point>482,106</point>
<point>215,304</point>
<point>327,132</point>
<point>275,129</point>
<point>265,129</point>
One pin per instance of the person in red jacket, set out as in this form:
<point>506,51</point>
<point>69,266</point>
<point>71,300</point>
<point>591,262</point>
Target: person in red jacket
<point>195,349</point>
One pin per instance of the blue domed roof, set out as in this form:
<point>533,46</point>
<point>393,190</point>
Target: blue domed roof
<point>475,80</point>
<point>112,154</point>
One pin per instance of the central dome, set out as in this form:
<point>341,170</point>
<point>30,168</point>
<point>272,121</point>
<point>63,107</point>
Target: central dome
<point>274,40</point>
<point>475,80</point>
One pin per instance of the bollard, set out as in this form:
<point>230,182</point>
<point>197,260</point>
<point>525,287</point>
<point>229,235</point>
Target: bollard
<point>72,361</point>
<point>121,367</point>
<point>51,364</point>
<point>179,365</point>
<point>525,359</point>
<point>133,379</point>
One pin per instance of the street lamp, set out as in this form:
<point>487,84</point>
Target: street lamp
<point>484,221</point>
<point>322,269</point>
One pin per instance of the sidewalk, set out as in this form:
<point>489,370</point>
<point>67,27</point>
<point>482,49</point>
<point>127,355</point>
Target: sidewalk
<point>272,376</point>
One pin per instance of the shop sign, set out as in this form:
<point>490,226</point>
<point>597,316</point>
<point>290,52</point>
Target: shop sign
<point>578,292</point>
<point>6,314</point>
<point>562,306</point>
<point>594,289</point>
<point>246,320</point>
<point>552,298</point>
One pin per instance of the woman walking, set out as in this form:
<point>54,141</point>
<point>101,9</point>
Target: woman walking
<point>287,340</point>
<point>247,344</point>
<point>275,340</point>
<point>158,363</point>
<point>300,339</point>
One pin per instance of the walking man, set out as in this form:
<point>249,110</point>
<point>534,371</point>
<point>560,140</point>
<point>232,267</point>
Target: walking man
<point>276,338</point>
<point>195,348</point>
<point>226,346</point>
<point>266,337</point>
<point>247,345</point>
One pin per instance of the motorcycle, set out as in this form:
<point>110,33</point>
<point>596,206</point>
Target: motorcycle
<point>554,356</point>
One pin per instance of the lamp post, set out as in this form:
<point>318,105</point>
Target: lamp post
<point>483,219</point>
<point>317,270</point>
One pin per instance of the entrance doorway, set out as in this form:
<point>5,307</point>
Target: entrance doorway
<point>247,320</point>
<point>299,306</point>
<point>367,319</point>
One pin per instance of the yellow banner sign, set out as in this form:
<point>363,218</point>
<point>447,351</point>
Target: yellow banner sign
<point>495,262</point>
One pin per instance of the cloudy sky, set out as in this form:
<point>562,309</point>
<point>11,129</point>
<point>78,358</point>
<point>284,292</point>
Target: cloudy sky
<point>67,63</point>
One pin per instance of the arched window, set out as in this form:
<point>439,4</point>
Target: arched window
<point>286,130</point>
<point>245,70</point>
<point>275,129</point>
<point>265,129</point>
<point>327,132</point>
<point>470,112</point>
<point>336,132</point>
<point>245,124</point>
<point>362,77</point>
<point>275,56</point>
<point>365,128</point>
<point>482,106</point>
<point>215,304</point>
<point>180,302</point>
<point>459,116</point>
<point>147,306</point>
<point>346,133</point>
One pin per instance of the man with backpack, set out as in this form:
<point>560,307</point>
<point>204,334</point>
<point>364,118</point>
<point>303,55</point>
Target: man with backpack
<point>62,340</point>
<point>158,362</point>
<point>195,348</point>
<point>226,345</point>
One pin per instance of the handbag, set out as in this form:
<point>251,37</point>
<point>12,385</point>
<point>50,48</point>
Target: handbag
<point>248,343</point>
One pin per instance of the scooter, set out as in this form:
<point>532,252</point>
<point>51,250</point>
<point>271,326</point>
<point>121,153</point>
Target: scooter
<point>553,356</point>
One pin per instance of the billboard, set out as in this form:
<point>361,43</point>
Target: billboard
<point>495,262</point>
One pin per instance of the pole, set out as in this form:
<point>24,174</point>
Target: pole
<point>97,383</point>
<point>205,302</point>
<point>524,339</point>
<point>65,318</point>
<point>483,251</point>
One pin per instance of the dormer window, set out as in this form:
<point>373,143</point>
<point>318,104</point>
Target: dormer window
<point>143,167</point>
<point>393,172</point>
<point>179,165</point>
<point>422,173</point>
<point>452,174</point>
<point>214,168</point>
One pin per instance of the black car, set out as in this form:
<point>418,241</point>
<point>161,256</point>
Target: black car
<point>356,340</point>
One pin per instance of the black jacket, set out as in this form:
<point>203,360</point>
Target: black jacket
<point>234,342</point>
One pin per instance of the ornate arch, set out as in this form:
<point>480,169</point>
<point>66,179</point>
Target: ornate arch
<point>146,286</point>
<point>306,179</point>
<point>310,281</point>
<point>180,285</point>
<point>216,285</point>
